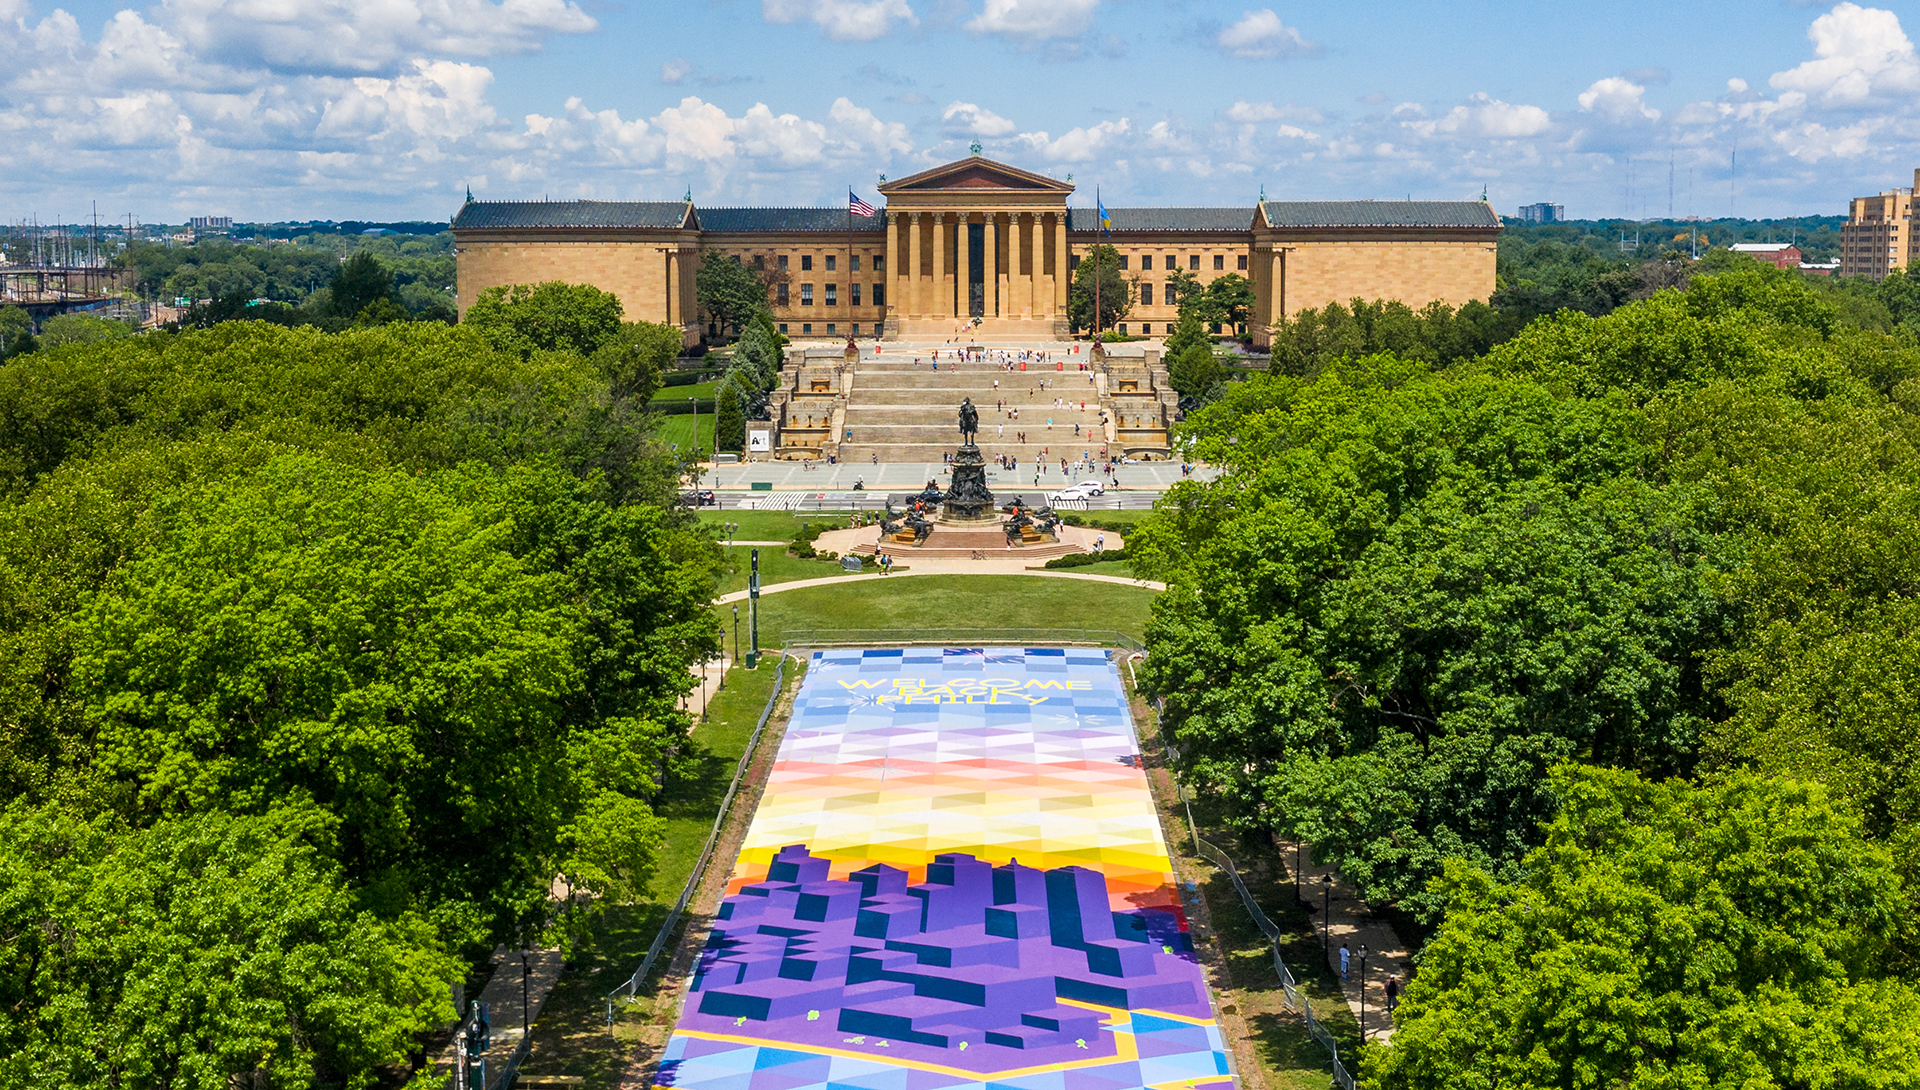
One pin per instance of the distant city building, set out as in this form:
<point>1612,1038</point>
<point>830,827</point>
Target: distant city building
<point>211,223</point>
<point>1780,255</point>
<point>1542,213</point>
<point>1821,268</point>
<point>1877,237</point>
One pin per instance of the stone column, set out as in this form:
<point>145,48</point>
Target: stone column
<point>990,268</point>
<point>915,300</point>
<point>670,303</point>
<point>963,267</point>
<point>1062,266</point>
<point>892,279</point>
<point>940,296</point>
<point>1030,235</point>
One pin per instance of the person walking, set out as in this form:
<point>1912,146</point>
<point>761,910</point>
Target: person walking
<point>1345,957</point>
<point>1393,993</point>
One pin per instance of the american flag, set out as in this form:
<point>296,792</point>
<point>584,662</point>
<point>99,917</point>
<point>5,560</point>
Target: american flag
<point>857,206</point>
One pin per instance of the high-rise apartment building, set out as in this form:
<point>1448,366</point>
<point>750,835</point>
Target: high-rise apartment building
<point>1542,213</point>
<point>1878,235</point>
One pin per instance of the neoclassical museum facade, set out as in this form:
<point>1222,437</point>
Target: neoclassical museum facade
<point>979,239</point>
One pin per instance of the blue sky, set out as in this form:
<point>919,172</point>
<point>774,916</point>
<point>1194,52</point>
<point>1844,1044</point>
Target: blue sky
<point>388,109</point>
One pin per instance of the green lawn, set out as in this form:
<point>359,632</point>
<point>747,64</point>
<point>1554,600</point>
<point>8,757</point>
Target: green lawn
<point>677,432</point>
<point>1105,567</point>
<point>1127,518</point>
<point>956,603</point>
<point>771,525</point>
<point>775,567</point>
<point>701,390</point>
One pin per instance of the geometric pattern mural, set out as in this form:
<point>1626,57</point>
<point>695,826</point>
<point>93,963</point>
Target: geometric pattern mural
<point>955,878</point>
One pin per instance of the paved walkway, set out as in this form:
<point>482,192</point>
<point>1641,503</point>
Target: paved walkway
<point>502,995</point>
<point>1353,924</point>
<point>896,476</point>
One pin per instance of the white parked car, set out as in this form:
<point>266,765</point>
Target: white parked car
<point>1081,491</point>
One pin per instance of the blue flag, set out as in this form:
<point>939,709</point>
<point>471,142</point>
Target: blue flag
<point>1106,221</point>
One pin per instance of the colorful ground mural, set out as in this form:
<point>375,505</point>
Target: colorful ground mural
<point>955,879</point>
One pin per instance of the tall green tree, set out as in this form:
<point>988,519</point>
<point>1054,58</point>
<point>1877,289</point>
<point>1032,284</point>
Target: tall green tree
<point>1116,292</point>
<point>16,333</point>
<point>729,292</point>
<point>209,951</point>
<point>548,317</point>
<point>1732,934</point>
<point>730,418</point>
<point>1195,371</point>
<point>1229,301</point>
<point>360,282</point>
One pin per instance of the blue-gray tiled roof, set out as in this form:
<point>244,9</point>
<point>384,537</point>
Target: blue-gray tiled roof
<point>484,214</point>
<point>785,219</point>
<point>1380,214</point>
<point>1164,219</point>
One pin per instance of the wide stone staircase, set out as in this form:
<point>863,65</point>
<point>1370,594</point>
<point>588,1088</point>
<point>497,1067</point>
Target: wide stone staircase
<point>902,411</point>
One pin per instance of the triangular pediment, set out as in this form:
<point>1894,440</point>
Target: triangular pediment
<point>976,173</point>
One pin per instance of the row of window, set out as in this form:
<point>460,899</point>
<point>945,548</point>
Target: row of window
<point>782,297</point>
<point>1193,262</point>
<point>878,262</point>
<point>853,327</point>
<point>1166,328</point>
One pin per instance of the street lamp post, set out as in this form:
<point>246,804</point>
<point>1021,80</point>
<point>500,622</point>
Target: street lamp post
<point>1363,991</point>
<point>736,632</point>
<point>1326,916</point>
<point>703,690</point>
<point>525,1027</point>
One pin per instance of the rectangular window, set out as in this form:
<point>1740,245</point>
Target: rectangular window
<point>1146,295</point>
<point>783,327</point>
<point>1123,262</point>
<point>1073,261</point>
<point>806,262</point>
<point>783,262</point>
<point>759,261</point>
<point>1146,329</point>
<point>806,328</point>
<point>877,327</point>
<point>879,262</point>
<point>1172,263</point>
<point>879,295</point>
<point>832,260</point>
<point>1123,329</point>
<point>782,290</point>
<point>1193,263</point>
<point>1219,261</point>
<point>833,295</point>
<point>1243,262</point>
<point>853,263</point>
<point>853,295</point>
<point>829,329</point>
<point>806,295</point>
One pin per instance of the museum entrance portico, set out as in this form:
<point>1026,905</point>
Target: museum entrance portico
<point>977,239</point>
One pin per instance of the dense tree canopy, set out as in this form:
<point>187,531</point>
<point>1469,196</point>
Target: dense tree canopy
<point>1731,934</point>
<point>1115,295</point>
<point>1418,589</point>
<point>321,656</point>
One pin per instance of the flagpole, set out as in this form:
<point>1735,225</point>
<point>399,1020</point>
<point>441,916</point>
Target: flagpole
<point>1098,228</point>
<point>852,326</point>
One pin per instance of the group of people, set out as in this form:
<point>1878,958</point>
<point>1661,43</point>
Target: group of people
<point>1393,980</point>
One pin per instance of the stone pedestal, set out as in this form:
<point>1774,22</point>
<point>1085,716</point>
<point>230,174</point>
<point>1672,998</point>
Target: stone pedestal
<point>967,498</point>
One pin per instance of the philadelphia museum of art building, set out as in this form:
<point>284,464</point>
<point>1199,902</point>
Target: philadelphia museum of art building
<point>979,239</point>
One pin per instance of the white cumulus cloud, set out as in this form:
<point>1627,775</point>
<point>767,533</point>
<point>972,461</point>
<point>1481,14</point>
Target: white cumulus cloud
<point>1078,145</point>
<point>1252,113</point>
<point>1260,35</point>
<point>1481,116</point>
<point>1860,55</point>
<point>363,35</point>
<point>843,20</point>
<point>1618,100</point>
<point>1034,20</point>
<point>965,118</point>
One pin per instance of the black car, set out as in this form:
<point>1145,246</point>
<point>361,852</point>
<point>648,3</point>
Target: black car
<point>699,497</point>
